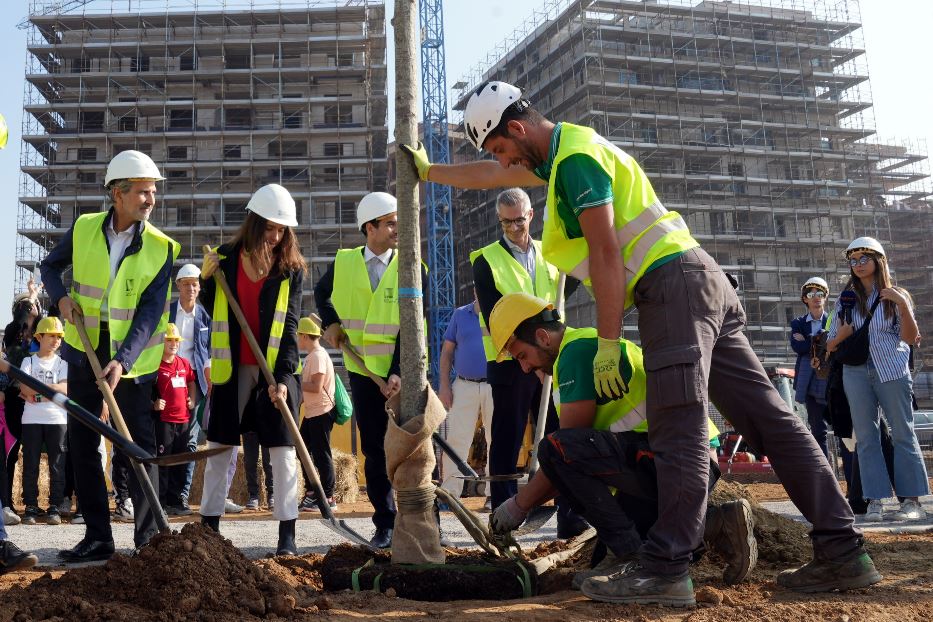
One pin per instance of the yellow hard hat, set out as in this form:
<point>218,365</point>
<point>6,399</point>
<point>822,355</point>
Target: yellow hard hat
<point>509,312</point>
<point>50,326</point>
<point>307,326</point>
<point>171,332</point>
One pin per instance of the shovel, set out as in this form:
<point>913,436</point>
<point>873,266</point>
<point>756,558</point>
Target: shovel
<point>339,526</point>
<point>141,474</point>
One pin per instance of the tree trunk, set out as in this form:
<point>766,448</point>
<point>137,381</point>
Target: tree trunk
<point>413,364</point>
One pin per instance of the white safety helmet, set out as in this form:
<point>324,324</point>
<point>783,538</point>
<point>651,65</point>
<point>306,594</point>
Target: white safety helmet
<point>188,271</point>
<point>275,204</point>
<point>485,107</point>
<point>866,243</point>
<point>815,281</point>
<point>375,205</point>
<point>132,165</point>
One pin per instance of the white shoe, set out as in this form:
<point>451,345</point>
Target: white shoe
<point>10,517</point>
<point>232,508</point>
<point>875,512</point>
<point>124,511</point>
<point>910,510</point>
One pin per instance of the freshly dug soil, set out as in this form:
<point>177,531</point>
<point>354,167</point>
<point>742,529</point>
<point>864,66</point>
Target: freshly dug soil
<point>467,574</point>
<point>192,575</point>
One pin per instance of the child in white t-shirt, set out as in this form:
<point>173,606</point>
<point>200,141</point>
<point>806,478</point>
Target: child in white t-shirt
<point>44,424</point>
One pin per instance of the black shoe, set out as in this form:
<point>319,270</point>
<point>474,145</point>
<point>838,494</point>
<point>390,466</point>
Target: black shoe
<point>570,525</point>
<point>13,558</point>
<point>382,539</point>
<point>88,551</point>
<point>211,521</point>
<point>286,538</point>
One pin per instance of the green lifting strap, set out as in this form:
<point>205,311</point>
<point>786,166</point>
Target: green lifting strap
<point>355,577</point>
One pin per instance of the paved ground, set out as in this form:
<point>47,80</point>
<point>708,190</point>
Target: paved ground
<point>888,525</point>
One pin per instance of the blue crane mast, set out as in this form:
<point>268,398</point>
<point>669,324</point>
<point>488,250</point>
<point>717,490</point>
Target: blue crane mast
<point>442,292</point>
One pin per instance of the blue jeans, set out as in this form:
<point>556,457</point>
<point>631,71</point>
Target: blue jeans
<point>3,535</point>
<point>865,393</point>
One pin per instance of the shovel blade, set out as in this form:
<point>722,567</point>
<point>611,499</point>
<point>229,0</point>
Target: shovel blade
<point>173,459</point>
<point>491,478</point>
<point>536,520</point>
<point>341,528</point>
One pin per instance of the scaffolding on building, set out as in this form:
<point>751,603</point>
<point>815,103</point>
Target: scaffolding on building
<point>752,119</point>
<point>226,96</point>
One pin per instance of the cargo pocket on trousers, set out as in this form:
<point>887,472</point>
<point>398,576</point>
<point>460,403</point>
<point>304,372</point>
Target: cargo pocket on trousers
<point>673,377</point>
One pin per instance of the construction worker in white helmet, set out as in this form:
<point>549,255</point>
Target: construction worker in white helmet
<point>602,444</point>
<point>121,273</point>
<point>357,299</point>
<point>264,267</point>
<point>810,389</point>
<point>606,225</point>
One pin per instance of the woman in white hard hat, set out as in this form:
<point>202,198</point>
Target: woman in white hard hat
<point>883,380</point>
<point>809,389</point>
<point>264,267</point>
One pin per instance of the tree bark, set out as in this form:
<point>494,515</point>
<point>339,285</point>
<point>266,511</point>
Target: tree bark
<point>411,314</point>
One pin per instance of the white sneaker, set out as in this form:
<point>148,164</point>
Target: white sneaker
<point>875,512</point>
<point>232,508</point>
<point>124,511</point>
<point>10,517</point>
<point>910,510</point>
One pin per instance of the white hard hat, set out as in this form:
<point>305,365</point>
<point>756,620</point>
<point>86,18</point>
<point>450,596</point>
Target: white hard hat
<point>188,271</point>
<point>375,205</point>
<point>485,107</point>
<point>132,165</point>
<point>815,281</point>
<point>275,204</point>
<point>866,243</point>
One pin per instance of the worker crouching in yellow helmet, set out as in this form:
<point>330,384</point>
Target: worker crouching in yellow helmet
<point>602,444</point>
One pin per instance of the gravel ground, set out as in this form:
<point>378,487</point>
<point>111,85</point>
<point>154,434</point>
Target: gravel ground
<point>889,525</point>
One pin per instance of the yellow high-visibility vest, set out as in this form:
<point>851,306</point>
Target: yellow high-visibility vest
<point>90,259</point>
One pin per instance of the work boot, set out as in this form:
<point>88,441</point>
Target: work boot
<point>211,521</point>
<point>730,532</point>
<point>13,558</point>
<point>382,539</point>
<point>637,585</point>
<point>610,564</point>
<point>847,572</point>
<point>287,538</point>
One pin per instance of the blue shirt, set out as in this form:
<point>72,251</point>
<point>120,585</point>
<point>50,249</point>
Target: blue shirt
<point>889,355</point>
<point>465,333</point>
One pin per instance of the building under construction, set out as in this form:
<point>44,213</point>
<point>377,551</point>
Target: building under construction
<point>225,98</point>
<point>754,122</point>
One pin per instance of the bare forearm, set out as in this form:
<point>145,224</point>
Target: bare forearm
<point>909,329</point>
<point>446,364</point>
<point>537,492</point>
<point>608,280</point>
<point>482,174</point>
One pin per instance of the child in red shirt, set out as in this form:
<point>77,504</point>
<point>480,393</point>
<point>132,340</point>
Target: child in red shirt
<point>173,399</point>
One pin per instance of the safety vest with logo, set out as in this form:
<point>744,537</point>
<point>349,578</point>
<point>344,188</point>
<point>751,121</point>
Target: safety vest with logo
<point>90,259</point>
<point>646,231</point>
<point>222,354</point>
<point>370,318</point>
<point>512,277</point>
<point>628,412</point>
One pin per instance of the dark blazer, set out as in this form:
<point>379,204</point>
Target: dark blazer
<point>803,372</point>
<point>261,416</point>
<point>202,339</point>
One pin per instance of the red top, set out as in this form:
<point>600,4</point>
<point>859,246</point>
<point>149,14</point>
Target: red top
<point>248,297</point>
<point>172,386</point>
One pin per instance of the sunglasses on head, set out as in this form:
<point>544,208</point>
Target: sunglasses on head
<point>815,293</point>
<point>861,261</point>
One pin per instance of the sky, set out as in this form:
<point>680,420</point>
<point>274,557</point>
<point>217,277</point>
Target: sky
<point>896,35</point>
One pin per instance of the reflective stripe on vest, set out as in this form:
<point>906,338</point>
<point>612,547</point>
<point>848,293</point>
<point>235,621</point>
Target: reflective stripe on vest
<point>646,230</point>
<point>90,260</point>
<point>511,277</point>
<point>222,353</point>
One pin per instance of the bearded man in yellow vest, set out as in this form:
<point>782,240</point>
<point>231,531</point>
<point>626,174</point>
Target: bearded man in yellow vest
<point>357,299</point>
<point>121,274</point>
<point>606,226</point>
<point>601,448</point>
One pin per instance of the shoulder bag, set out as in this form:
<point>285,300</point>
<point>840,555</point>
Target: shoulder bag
<point>854,350</point>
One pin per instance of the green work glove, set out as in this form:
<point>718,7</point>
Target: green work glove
<point>606,373</point>
<point>420,159</point>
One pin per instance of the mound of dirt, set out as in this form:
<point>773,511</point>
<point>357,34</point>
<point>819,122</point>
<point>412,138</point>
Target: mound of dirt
<point>192,575</point>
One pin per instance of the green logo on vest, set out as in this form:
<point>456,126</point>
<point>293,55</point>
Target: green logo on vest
<point>130,285</point>
<point>388,294</point>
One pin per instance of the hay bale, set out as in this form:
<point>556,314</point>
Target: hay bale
<point>238,491</point>
<point>44,482</point>
<point>347,483</point>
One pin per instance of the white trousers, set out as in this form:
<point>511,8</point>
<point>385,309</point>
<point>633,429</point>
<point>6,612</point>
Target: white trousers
<point>471,399</point>
<point>284,466</point>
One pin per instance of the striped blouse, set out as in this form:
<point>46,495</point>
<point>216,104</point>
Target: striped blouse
<point>889,354</point>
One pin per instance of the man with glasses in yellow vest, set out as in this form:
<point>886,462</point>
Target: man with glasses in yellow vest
<point>601,450</point>
<point>357,299</point>
<point>606,226</point>
<point>121,274</point>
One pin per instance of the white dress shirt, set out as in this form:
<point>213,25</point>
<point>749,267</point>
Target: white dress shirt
<point>376,265</point>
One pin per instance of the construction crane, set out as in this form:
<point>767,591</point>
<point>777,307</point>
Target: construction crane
<point>442,291</point>
<point>39,8</point>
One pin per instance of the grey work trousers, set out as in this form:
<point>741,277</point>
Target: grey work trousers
<point>691,326</point>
